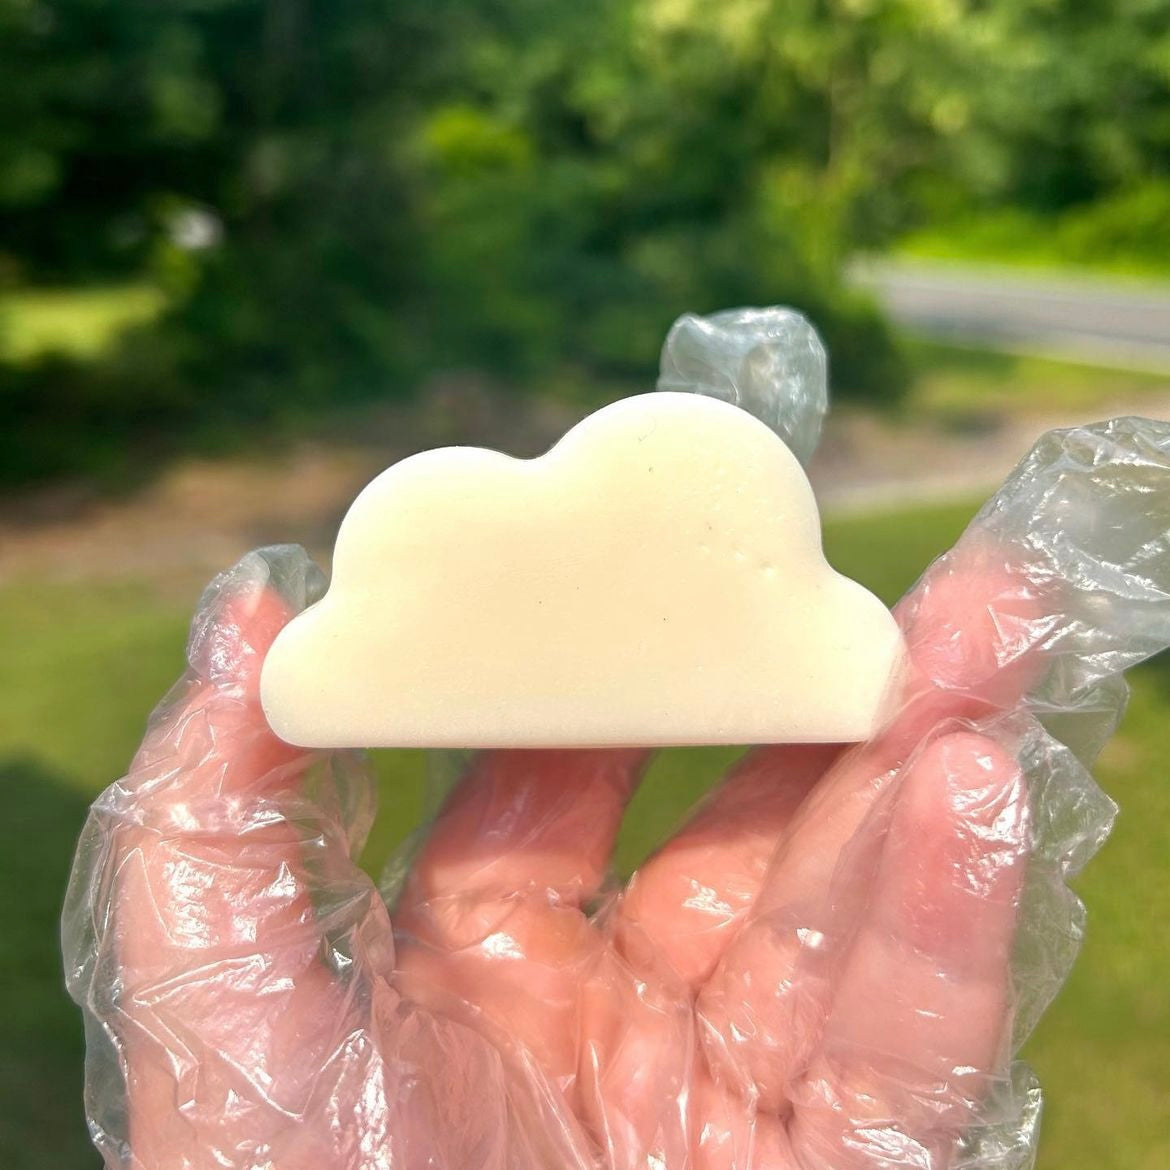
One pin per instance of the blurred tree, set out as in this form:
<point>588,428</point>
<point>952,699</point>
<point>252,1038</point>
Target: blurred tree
<point>103,109</point>
<point>1046,105</point>
<point>340,196</point>
<point>598,170</point>
<point>244,151</point>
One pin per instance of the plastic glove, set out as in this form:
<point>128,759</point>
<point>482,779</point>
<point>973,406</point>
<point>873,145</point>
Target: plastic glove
<point>827,968</point>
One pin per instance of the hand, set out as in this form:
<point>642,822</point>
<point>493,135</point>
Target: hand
<point>812,975</point>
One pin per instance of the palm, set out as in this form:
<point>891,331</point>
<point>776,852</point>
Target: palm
<point>812,973</point>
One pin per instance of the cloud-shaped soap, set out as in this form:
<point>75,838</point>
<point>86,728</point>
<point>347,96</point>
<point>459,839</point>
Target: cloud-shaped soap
<point>656,578</point>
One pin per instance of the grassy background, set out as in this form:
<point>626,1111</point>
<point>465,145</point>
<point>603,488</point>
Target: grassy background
<point>84,665</point>
<point>1121,237</point>
<point>963,387</point>
<point>80,322</point>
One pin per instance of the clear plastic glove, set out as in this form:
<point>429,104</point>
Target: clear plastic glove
<point>827,968</point>
<point>815,972</point>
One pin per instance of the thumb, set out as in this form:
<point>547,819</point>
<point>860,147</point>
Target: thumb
<point>212,721</point>
<point>242,611</point>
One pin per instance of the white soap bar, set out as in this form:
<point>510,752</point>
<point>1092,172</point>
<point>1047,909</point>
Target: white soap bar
<point>656,578</point>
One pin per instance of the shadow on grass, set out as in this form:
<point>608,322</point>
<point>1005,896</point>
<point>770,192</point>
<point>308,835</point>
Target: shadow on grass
<point>41,1046</point>
<point>1157,670</point>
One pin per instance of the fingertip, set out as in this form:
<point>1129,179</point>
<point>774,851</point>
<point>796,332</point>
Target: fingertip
<point>975,624</point>
<point>231,638</point>
<point>982,783</point>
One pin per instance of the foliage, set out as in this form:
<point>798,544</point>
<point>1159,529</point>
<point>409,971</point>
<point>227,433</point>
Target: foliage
<point>339,198</point>
<point>1062,154</point>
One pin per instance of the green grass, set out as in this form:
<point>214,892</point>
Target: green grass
<point>1022,246</point>
<point>964,388</point>
<point>1103,1053</point>
<point>84,664</point>
<point>79,322</point>
<point>1122,236</point>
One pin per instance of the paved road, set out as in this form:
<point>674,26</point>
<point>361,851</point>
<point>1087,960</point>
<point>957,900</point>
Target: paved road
<point>1125,326</point>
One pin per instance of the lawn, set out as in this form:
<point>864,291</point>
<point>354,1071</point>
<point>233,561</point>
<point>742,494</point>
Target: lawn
<point>85,664</point>
<point>1120,238</point>
<point>965,388</point>
<point>80,322</point>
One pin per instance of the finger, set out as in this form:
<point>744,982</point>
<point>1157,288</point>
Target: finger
<point>526,820</point>
<point>969,626</point>
<point>492,919</point>
<point>726,1134</point>
<point>686,903</point>
<point>975,629</point>
<point>194,884</point>
<point>896,1086</point>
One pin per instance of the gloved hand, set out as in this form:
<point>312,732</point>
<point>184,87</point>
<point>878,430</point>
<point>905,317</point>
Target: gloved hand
<point>827,968</point>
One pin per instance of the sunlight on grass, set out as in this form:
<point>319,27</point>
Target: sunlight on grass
<point>84,665</point>
<point>79,322</point>
<point>1098,239</point>
<point>960,386</point>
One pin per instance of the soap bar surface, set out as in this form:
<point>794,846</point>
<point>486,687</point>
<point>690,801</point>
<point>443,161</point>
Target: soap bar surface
<point>656,578</point>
